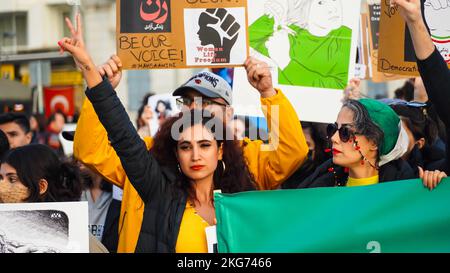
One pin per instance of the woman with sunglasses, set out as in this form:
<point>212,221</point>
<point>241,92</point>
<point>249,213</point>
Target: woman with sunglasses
<point>367,142</point>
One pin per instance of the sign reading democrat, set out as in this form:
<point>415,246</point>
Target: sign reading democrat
<point>396,49</point>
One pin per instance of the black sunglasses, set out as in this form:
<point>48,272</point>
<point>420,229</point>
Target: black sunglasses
<point>345,132</point>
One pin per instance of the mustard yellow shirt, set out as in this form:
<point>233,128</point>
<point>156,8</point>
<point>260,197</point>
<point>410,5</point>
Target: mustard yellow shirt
<point>192,235</point>
<point>352,182</point>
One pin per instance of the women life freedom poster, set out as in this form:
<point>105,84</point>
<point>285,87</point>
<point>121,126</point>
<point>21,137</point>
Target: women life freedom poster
<point>163,34</point>
<point>311,48</point>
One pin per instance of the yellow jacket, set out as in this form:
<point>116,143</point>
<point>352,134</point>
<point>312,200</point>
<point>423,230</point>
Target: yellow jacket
<point>270,167</point>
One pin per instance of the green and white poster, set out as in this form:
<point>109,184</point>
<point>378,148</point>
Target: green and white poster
<point>310,46</point>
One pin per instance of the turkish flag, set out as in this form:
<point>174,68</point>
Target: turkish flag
<point>59,99</point>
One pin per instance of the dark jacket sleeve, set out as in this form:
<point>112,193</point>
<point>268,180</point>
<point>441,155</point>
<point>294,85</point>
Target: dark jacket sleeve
<point>321,177</point>
<point>396,170</point>
<point>142,169</point>
<point>436,79</point>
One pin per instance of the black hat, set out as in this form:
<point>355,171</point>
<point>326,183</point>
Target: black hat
<point>68,135</point>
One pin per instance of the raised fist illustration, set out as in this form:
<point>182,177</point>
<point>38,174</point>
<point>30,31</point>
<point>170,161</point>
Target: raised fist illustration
<point>220,29</point>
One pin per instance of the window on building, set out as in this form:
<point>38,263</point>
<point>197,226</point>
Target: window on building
<point>13,31</point>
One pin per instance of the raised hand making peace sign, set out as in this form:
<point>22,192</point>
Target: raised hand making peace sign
<point>75,46</point>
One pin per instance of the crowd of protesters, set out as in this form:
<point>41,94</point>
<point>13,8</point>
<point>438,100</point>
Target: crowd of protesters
<point>167,181</point>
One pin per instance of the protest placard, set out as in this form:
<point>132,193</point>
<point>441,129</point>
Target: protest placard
<point>362,69</point>
<point>374,13</point>
<point>396,54</point>
<point>310,64</point>
<point>58,227</point>
<point>163,106</point>
<point>160,34</point>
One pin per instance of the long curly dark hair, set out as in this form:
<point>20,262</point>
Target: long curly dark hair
<point>235,178</point>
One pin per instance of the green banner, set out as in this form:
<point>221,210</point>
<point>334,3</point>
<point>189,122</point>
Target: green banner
<point>400,216</point>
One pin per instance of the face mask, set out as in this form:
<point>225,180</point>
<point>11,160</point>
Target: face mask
<point>13,192</point>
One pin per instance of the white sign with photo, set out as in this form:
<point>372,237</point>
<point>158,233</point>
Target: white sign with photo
<point>163,107</point>
<point>59,227</point>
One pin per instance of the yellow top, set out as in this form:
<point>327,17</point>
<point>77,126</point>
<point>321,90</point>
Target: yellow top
<point>192,235</point>
<point>352,182</point>
<point>270,167</point>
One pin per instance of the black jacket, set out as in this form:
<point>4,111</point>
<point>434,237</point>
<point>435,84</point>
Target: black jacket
<point>110,238</point>
<point>297,178</point>
<point>427,158</point>
<point>162,216</point>
<point>324,177</point>
<point>436,79</point>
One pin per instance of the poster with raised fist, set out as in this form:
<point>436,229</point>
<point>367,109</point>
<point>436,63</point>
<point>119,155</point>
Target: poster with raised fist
<point>161,34</point>
<point>217,36</point>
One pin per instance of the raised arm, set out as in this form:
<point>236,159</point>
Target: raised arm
<point>142,169</point>
<point>92,147</point>
<point>272,164</point>
<point>91,143</point>
<point>411,12</point>
<point>432,67</point>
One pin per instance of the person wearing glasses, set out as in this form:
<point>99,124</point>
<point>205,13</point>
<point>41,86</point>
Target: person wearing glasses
<point>193,154</point>
<point>269,168</point>
<point>367,142</point>
<point>432,67</point>
<point>420,123</point>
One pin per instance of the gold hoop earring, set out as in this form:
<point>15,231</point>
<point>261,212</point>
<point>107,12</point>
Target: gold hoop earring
<point>223,166</point>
